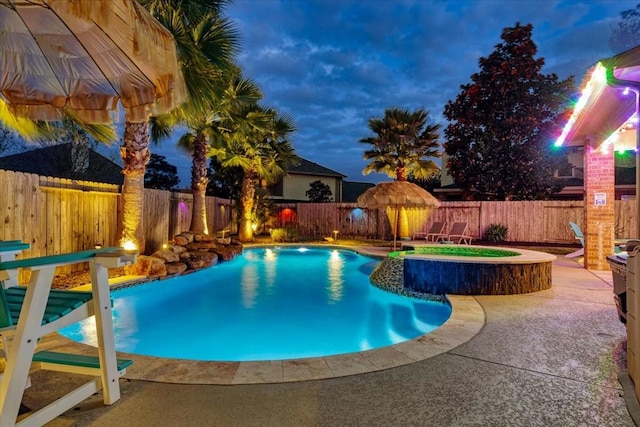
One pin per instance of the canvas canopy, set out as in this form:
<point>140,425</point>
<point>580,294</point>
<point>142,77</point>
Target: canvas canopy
<point>86,56</point>
<point>606,115</point>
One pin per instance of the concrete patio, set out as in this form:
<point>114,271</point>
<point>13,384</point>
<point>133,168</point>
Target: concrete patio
<point>550,358</point>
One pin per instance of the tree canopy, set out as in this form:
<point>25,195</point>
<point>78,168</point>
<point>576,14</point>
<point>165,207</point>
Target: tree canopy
<point>160,174</point>
<point>502,123</point>
<point>319,192</point>
<point>627,34</point>
<point>403,144</point>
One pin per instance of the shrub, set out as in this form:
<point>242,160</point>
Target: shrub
<point>287,234</point>
<point>496,233</point>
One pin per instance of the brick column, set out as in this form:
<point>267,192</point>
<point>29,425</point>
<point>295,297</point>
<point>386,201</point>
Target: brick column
<point>599,207</point>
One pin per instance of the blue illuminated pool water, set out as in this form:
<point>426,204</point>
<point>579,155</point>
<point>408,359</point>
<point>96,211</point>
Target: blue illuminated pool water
<point>267,304</point>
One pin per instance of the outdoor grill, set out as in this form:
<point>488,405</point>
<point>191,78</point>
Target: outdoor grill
<point>618,264</point>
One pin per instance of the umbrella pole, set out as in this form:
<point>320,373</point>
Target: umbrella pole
<point>395,227</point>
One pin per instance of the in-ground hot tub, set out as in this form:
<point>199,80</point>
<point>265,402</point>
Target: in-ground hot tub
<point>464,270</point>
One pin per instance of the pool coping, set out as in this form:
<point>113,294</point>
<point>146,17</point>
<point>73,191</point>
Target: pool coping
<point>466,320</point>
<point>525,256</point>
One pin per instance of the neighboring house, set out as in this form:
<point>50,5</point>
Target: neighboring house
<point>65,161</point>
<point>625,179</point>
<point>294,185</point>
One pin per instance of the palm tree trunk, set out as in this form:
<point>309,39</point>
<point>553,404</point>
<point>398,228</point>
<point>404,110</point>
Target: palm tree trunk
<point>401,173</point>
<point>135,156</point>
<point>199,183</point>
<point>245,234</point>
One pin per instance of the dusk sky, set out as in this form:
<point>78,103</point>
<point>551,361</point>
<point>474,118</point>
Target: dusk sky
<point>333,64</point>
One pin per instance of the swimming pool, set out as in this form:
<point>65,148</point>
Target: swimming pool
<point>267,304</point>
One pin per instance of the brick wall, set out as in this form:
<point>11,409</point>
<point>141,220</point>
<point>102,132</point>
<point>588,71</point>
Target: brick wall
<point>599,210</point>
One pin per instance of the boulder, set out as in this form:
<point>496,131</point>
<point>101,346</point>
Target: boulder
<point>198,237</point>
<point>199,246</point>
<point>198,260</point>
<point>180,240</point>
<point>166,255</point>
<point>147,266</point>
<point>178,249</point>
<point>226,253</point>
<point>175,267</point>
<point>183,238</point>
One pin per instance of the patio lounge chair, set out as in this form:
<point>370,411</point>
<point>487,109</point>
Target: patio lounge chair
<point>458,233</point>
<point>30,312</point>
<point>8,251</point>
<point>434,234</point>
<point>618,243</point>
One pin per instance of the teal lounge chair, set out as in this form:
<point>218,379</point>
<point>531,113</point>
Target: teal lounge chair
<point>30,312</point>
<point>618,243</point>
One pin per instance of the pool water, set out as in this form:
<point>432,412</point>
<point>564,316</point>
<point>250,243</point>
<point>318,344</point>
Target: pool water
<point>267,304</point>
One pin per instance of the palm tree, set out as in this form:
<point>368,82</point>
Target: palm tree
<point>202,125</point>
<point>207,44</point>
<point>403,144</point>
<point>255,139</point>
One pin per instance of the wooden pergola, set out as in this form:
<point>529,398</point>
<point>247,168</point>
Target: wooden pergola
<point>605,120</point>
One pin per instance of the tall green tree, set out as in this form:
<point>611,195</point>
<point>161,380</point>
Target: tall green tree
<point>255,139</point>
<point>207,44</point>
<point>499,137</point>
<point>404,144</point>
<point>223,182</point>
<point>160,174</point>
<point>626,34</point>
<point>319,192</point>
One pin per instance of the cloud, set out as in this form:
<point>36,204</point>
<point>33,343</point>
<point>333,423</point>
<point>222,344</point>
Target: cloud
<point>333,65</point>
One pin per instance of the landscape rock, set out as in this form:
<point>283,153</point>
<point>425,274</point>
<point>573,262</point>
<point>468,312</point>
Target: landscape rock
<point>180,240</point>
<point>199,246</point>
<point>225,253</point>
<point>178,249</point>
<point>147,266</point>
<point>183,238</point>
<point>175,268</point>
<point>198,260</point>
<point>166,255</point>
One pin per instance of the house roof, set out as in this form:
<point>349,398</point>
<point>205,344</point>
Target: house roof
<point>306,167</point>
<point>606,103</point>
<point>351,190</point>
<point>57,161</point>
<point>624,176</point>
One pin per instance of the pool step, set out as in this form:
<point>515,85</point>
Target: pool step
<point>403,323</point>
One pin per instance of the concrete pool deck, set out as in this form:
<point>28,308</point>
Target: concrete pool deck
<point>549,358</point>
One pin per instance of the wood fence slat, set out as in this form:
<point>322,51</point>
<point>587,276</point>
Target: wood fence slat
<point>58,215</point>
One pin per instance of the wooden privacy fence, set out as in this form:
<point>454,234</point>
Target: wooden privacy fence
<point>531,221</point>
<point>58,215</point>
<point>169,213</point>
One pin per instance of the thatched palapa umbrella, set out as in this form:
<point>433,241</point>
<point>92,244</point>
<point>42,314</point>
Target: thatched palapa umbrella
<point>397,195</point>
<point>84,58</point>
